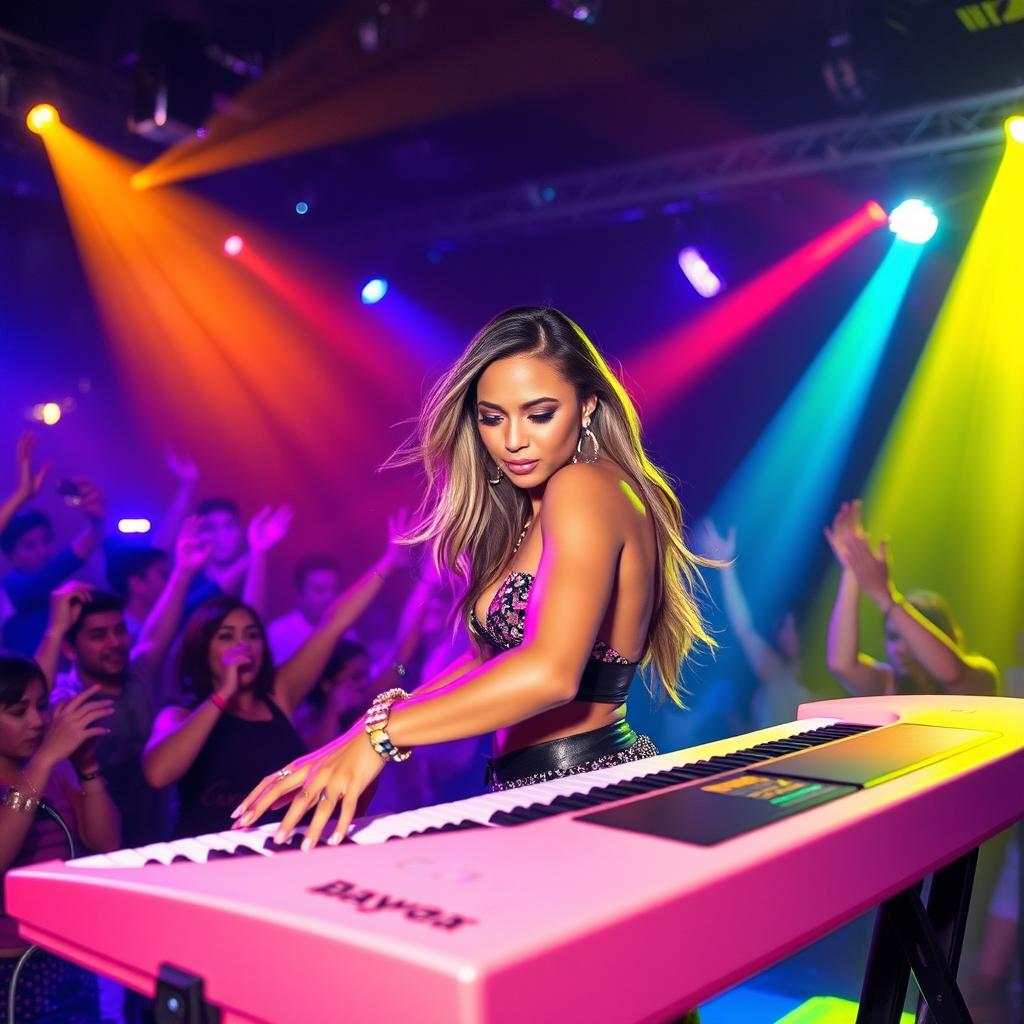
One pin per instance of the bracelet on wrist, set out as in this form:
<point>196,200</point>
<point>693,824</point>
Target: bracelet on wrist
<point>218,701</point>
<point>376,725</point>
<point>17,801</point>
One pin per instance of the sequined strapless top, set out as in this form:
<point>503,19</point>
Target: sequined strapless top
<point>607,676</point>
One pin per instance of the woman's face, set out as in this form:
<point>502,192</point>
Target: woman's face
<point>239,629</point>
<point>22,724</point>
<point>529,418</point>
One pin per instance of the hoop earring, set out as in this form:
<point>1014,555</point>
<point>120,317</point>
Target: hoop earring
<point>588,434</point>
<point>497,480</point>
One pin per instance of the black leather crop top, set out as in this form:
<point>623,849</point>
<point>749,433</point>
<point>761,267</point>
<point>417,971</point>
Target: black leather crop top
<point>607,676</point>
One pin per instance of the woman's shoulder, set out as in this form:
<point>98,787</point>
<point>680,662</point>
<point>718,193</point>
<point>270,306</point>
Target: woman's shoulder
<point>603,484</point>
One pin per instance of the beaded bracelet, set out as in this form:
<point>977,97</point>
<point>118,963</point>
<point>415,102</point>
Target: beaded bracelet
<point>377,725</point>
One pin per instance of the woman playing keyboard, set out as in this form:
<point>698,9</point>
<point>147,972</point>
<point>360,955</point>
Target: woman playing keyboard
<point>569,539</point>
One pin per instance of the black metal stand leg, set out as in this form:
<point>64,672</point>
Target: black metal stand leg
<point>928,942</point>
<point>887,973</point>
<point>948,904</point>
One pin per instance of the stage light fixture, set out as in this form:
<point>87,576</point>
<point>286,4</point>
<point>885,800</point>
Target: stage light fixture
<point>374,290</point>
<point>1015,128</point>
<point>233,245</point>
<point>42,117</point>
<point>302,208</point>
<point>48,413</point>
<point>134,525</point>
<point>913,221</point>
<point>705,281</point>
<point>877,212</point>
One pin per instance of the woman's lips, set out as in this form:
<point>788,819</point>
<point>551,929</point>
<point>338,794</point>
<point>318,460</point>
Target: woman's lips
<point>522,468</point>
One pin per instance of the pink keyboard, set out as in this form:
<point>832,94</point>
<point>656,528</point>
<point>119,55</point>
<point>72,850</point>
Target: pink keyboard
<point>627,894</point>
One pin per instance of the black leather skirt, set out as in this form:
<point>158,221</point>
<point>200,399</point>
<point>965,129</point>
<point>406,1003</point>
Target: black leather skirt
<point>570,755</point>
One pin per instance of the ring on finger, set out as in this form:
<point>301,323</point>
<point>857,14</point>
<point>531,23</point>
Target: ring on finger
<point>283,773</point>
<point>321,798</point>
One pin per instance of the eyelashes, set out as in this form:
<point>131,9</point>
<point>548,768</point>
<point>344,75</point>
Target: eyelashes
<point>540,417</point>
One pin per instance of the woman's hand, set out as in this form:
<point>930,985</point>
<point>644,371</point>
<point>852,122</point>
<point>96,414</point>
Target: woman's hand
<point>74,723</point>
<point>340,772</point>
<point>845,528</point>
<point>230,662</point>
<point>269,527</point>
<point>871,568</point>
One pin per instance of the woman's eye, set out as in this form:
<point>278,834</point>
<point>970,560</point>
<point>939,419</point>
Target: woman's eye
<point>490,421</point>
<point>542,417</point>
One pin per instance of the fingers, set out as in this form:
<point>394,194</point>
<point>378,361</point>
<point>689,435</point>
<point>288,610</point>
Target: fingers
<point>349,802</point>
<point>325,805</point>
<point>74,703</point>
<point>266,793</point>
<point>301,803</point>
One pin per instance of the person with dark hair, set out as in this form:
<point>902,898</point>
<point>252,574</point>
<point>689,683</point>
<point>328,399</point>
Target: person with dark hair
<point>235,719</point>
<point>48,762</point>
<point>317,584</point>
<point>776,661</point>
<point>923,642</point>
<point>231,568</point>
<point>27,541</point>
<point>138,575</point>
<point>88,627</point>
<point>569,539</point>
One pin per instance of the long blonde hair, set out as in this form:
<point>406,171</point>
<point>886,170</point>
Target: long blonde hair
<point>474,526</point>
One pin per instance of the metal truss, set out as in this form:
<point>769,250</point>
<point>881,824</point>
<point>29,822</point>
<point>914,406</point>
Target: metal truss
<point>962,128</point>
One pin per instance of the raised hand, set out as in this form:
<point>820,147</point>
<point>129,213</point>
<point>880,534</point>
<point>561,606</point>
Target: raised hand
<point>181,466</point>
<point>336,774</point>
<point>871,567</point>
<point>29,480</point>
<point>192,551</point>
<point>269,527</point>
<point>846,526</point>
<point>397,555</point>
<point>712,544</point>
<point>66,605</point>
<point>75,722</point>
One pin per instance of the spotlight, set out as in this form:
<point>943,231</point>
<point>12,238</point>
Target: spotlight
<point>705,282</point>
<point>374,291</point>
<point>302,208</point>
<point>233,245</point>
<point>913,221</point>
<point>42,117</point>
<point>1015,128</point>
<point>134,525</point>
<point>48,413</point>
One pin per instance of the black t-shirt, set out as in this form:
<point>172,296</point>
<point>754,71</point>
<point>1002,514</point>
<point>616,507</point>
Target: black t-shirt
<point>236,755</point>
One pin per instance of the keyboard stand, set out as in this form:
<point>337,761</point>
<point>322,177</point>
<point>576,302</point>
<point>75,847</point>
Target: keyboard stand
<point>909,937</point>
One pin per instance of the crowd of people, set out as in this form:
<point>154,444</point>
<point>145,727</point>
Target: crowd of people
<point>145,709</point>
<point>156,705</point>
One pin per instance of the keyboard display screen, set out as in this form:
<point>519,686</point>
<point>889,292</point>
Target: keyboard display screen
<point>718,810</point>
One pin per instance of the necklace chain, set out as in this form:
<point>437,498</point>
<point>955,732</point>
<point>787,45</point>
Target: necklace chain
<point>522,536</point>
